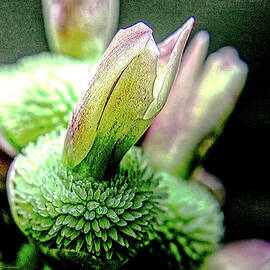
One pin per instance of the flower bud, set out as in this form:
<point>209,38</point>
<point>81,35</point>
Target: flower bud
<point>241,255</point>
<point>128,89</point>
<point>202,98</point>
<point>80,28</point>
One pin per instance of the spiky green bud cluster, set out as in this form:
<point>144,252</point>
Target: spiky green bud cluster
<point>193,222</point>
<point>38,94</point>
<point>73,216</point>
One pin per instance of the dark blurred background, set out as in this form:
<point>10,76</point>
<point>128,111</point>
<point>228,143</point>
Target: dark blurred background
<point>240,157</point>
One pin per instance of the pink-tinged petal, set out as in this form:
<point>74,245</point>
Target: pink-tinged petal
<point>181,98</point>
<point>176,41</point>
<point>169,127</point>
<point>241,255</point>
<point>265,266</point>
<point>200,101</point>
<point>171,50</point>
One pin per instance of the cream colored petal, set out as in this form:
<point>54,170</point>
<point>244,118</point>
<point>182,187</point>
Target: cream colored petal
<point>118,59</point>
<point>221,83</point>
<point>80,28</point>
<point>223,78</point>
<point>49,10</point>
<point>200,101</point>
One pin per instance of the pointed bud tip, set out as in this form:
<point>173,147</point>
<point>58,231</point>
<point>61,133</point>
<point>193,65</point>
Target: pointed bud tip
<point>143,26</point>
<point>137,33</point>
<point>190,22</point>
<point>177,39</point>
<point>140,27</point>
<point>187,27</point>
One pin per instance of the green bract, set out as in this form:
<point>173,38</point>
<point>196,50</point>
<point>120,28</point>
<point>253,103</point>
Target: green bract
<point>38,94</point>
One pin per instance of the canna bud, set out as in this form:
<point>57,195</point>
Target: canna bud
<point>127,90</point>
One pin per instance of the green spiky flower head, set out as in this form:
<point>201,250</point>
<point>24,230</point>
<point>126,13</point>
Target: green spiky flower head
<point>38,94</point>
<point>78,220</point>
<point>74,217</point>
<point>192,223</point>
<point>90,213</point>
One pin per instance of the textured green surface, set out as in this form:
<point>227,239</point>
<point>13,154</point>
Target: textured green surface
<point>38,94</point>
<point>104,223</point>
<point>77,218</point>
<point>193,222</point>
<point>27,257</point>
